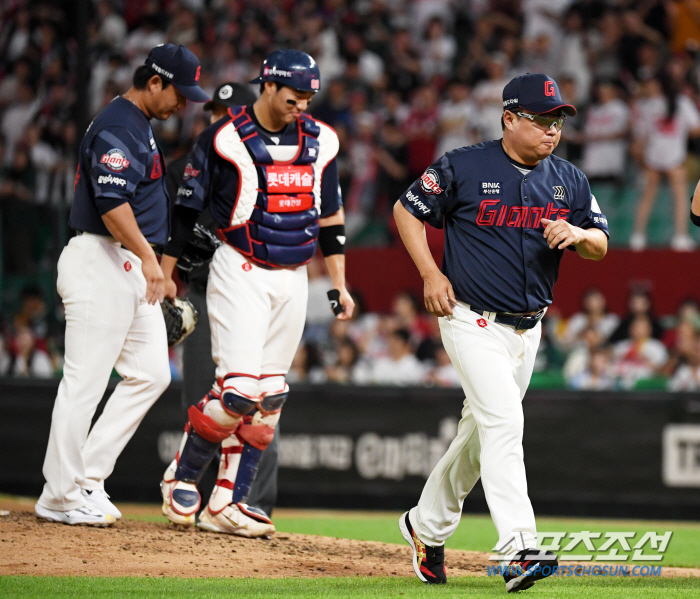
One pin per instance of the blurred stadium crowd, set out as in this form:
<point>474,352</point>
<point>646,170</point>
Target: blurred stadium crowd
<point>592,350</point>
<point>403,82</point>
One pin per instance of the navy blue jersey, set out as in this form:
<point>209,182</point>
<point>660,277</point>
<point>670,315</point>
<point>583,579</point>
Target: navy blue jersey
<point>496,257</point>
<point>213,181</point>
<point>120,162</point>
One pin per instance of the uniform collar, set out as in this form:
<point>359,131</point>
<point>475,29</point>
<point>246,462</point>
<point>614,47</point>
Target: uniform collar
<point>131,106</point>
<point>287,129</point>
<point>519,165</point>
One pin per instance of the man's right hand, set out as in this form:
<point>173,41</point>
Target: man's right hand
<point>155,281</point>
<point>438,294</point>
<point>170,288</point>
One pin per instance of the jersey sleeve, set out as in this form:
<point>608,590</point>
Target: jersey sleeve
<point>430,197</point>
<point>586,212</point>
<point>331,198</point>
<point>193,191</point>
<point>117,164</point>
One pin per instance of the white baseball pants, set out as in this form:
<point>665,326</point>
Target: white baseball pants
<point>256,315</point>
<point>109,325</point>
<point>494,364</point>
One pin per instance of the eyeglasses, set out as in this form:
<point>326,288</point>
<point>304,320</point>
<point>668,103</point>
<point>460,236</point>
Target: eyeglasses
<point>543,121</point>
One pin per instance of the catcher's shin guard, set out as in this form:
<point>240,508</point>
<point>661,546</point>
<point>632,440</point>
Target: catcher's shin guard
<point>181,499</point>
<point>222,494</point>
<point>208,425</point>
<point>257,433</point>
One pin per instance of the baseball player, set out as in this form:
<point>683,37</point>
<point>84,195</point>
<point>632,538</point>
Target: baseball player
<point>269,176</point>
<point>197,365</point>
<point>509,209</point>
<point>111,285</point>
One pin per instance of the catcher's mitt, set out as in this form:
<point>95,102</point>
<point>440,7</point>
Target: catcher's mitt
<point>180,317</point>
<point>199,249</point>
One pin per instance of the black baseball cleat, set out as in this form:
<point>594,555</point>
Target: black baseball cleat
<point>527,567</point>
<point>428,562</point>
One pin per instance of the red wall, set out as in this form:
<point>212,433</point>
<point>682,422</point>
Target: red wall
<point>379,273</point>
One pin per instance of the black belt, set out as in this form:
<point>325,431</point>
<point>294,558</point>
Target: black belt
<point>519,322</point>
<point>121,245</point>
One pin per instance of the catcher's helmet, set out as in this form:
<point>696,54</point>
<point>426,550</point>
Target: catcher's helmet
<point>292,68</point>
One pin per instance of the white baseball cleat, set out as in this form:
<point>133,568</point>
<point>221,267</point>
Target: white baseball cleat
<point>180,502</point>
<point>236,519</point>
<point>100,500</point>
<point>83,516</point>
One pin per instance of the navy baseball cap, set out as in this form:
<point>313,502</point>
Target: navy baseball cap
<point>536,93</point>
<point>231,94</point>
<point>181,67</point>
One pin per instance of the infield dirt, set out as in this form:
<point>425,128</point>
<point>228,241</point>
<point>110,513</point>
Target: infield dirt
<point>137,548</point>
<point>159,549</point>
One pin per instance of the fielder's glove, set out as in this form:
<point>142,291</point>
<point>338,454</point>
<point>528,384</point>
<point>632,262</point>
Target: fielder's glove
<point>180,317</point>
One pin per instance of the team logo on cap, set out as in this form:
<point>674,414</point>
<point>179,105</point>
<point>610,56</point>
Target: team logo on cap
<point>198,73</point>
<point>115,160</point>
<point>430,182</point>
<point>225,92</point>
<point>190,172</point>
<point>549,88</point>
<point>315,84</point>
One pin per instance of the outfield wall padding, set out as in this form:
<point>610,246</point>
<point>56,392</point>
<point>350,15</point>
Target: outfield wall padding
<point>598,454</point>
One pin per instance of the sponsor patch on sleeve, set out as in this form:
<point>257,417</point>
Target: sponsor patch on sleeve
<point>597,216</point>
<point>417,203</point>
<point>111,180</point>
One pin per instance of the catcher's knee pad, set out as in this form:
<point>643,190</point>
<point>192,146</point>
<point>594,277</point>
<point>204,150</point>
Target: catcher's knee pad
<point>259,430</point>
<point>272,385</point>
<point>240,395</point>
<point>196,455</point>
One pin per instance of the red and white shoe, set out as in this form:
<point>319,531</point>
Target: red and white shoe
<point>237,519</point>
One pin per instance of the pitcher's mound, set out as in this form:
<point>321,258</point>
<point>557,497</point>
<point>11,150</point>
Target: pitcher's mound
<point>137,548</point>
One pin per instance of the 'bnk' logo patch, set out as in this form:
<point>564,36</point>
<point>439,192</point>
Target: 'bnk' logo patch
<point>490,188</point>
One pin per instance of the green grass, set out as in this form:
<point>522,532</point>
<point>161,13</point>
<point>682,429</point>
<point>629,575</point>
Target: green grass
<point>358,588</point>
<point>477,533</point>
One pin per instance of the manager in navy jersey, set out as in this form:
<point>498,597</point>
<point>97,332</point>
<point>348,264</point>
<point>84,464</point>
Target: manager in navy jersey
<point>509,208</point>
<point>111,285</point>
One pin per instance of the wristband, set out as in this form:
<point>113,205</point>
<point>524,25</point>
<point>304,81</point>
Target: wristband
<point>334,299</point>
<point>332,240</point>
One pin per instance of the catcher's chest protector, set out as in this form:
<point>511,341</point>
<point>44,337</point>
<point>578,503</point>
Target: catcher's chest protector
<point>275,218</point>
